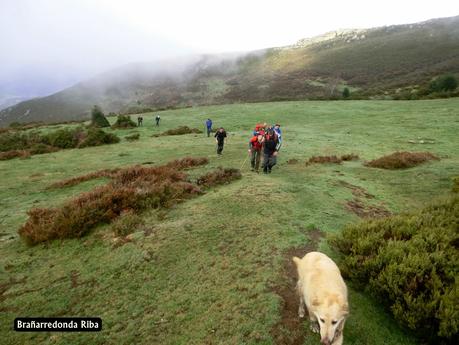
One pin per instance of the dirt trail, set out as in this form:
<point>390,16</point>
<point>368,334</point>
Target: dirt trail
<point>289,330</point>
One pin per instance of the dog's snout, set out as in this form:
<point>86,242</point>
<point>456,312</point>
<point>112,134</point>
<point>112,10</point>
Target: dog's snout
<point>325,342</point>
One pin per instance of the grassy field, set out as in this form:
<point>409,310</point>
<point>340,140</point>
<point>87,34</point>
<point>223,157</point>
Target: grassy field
<point>207,271</point>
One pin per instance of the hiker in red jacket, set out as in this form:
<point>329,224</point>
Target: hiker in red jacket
<point>255,146</point>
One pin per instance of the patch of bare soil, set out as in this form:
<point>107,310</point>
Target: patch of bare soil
<point>289,330</point>
<point>5,286</point>
<point>357,191</point>
<point>358,207</point>
<point>366,211</point>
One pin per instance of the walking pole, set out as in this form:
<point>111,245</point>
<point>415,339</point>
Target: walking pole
<point>245,160</point>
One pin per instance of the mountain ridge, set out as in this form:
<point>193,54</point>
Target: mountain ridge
<point>370,62</point>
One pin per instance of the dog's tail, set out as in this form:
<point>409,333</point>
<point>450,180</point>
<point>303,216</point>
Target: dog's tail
<point>296,260</point>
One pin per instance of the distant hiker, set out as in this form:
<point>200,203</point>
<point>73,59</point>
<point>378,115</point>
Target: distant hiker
<point>255,146</point>
<point>209,127</point>
<point>157,118</point>
<point>279,135</point>
<point>220,139</point>
<point>270,151</point>
<point>139,121</point>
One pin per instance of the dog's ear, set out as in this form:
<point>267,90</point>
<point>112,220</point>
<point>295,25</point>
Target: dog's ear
<point>296,260</point>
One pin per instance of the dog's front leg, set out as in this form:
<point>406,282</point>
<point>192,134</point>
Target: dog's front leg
<point>301,307</point>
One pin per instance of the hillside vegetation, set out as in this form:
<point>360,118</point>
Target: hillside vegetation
<point>214,269</point>
<point>388,62</point>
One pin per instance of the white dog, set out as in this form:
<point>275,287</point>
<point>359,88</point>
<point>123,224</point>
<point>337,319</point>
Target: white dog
<point>324,292</point>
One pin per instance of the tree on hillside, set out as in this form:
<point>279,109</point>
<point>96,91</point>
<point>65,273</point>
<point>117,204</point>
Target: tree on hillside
<point>346,93</point>
<point>98,118</point>
<point>443,83</point>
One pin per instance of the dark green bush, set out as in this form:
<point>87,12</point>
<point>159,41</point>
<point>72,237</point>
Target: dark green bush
<point>17,144</point>
<point>179,131</point>
<point>64,138</point>
<point>124,121</point>
<point>13,141</point>
<point>15,124</point>
<point>98,118</point>
<point>132,137</point>
<point>443,83</point>
<point>97,137</point>
<point>41,148</point>
<point>411,262</point>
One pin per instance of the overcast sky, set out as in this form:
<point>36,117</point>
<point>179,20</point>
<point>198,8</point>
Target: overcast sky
<point>68,40</point>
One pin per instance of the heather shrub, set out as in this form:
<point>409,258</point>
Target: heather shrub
<point>38,149</point>
<point>11,154</point>
<point>126,224</point>
<point>401,160</point>
<point>131,189</point>
<point>411,263</point>
<point>133,137</point>
<point>218,177</point>
<point>350,157</point>
<point>78,179</point>
<point>324,160</point>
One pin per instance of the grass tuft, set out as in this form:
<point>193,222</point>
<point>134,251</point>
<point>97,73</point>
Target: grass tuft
<point>219,177</point>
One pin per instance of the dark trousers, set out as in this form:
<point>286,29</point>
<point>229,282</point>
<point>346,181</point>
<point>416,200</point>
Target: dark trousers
<point>209,130</point>
<point>219,148</point>
<point>255,158</point>
<point>268,162</point>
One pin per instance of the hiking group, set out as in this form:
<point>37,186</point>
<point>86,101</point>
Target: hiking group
<point>266,140</point>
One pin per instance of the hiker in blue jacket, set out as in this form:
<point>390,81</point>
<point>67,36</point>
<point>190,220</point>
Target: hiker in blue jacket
<point>279,135</point>
<point>209,127</point>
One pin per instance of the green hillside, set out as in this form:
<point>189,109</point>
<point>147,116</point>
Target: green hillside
<point>381,62</point>
<point>216,269</point>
